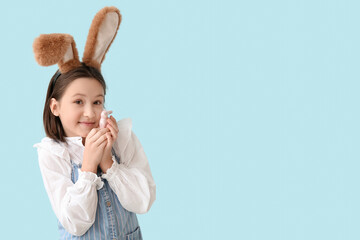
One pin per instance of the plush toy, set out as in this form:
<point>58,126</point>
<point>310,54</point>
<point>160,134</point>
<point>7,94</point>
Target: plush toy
<point>60,48</point>
<point>104,117</point>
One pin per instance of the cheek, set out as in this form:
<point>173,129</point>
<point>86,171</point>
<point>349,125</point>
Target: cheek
<point>74,114</point>
<point>68,113</point>
<point>98,114</point>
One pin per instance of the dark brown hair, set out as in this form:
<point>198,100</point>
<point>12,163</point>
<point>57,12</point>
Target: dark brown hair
<point>56,89</point>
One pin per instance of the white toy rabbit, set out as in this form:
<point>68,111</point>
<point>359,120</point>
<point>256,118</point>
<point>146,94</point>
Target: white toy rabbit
<point>104,117</point>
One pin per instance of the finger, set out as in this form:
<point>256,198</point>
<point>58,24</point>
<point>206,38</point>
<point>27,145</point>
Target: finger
<point>101,140</point>
<point>100,133</point>
<point>112,118</point>
<point>90,137</point>
<point>92,133</point>
<point>105,142</point>
<point>102,145</point>
<point>111,141</point>
<point>108,141</point>
<point>113,124</point>
<point>109,138</point>
<point>113,132</point>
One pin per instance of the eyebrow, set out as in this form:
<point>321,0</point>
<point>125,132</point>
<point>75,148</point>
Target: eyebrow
<point>79,94</point>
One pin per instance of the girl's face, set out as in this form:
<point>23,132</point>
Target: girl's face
<point>80,106</point>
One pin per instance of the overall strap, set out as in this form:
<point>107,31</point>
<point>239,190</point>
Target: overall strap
<point>115,155</point>
<point>74,171</point>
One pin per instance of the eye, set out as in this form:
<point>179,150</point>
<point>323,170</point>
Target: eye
<point>98,102</point>
<point>78,102</point>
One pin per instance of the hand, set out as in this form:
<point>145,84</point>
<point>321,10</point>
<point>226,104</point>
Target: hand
<point>95,144</point>
<point>107,161</point>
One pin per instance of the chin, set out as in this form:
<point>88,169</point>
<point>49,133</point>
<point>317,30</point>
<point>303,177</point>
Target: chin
<point>84,135</point>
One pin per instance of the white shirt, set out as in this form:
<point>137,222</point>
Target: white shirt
<point>75,204</point>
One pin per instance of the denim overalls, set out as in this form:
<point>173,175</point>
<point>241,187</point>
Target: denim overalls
<point>112,221</point>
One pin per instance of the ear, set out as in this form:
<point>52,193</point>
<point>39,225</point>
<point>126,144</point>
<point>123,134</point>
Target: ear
<point>54,107</point>
<point>101,35</point>
<point>57,48</point>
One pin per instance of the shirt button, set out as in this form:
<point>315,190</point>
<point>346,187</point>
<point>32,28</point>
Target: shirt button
<point>108,204</point>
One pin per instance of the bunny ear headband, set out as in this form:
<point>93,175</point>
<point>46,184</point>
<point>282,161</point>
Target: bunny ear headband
<point>59,48</point>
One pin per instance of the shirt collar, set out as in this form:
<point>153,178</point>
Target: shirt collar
<point>76,140</point>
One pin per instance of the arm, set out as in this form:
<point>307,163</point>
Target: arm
<point>74,204</point>
<point>131,180</point>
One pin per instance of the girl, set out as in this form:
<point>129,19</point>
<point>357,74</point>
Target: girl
<point>97,179</point>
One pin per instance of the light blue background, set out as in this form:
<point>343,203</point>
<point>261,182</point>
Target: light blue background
<point>247,110</point>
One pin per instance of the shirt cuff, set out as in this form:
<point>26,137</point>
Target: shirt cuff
<point>112,170</point>
<point>92,178</point>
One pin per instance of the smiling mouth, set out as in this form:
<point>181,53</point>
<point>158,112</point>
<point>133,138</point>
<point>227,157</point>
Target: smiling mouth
<point>87,123</point>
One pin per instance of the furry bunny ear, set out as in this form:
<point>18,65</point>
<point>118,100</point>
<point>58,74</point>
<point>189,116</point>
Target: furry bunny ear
<point>57,48</point>
<point>101,34</point>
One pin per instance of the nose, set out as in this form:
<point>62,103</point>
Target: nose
<point>89,111</point>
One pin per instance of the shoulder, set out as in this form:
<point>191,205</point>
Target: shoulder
<point>53,158</point>
<point>124,135</point>
<point>51,146</point>
<point>125,128</point>
<point>125,123</point>
<point>46,142</point>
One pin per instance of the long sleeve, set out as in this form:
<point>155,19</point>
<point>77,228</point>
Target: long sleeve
<point>74,204</point>
<point>131,180</point>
